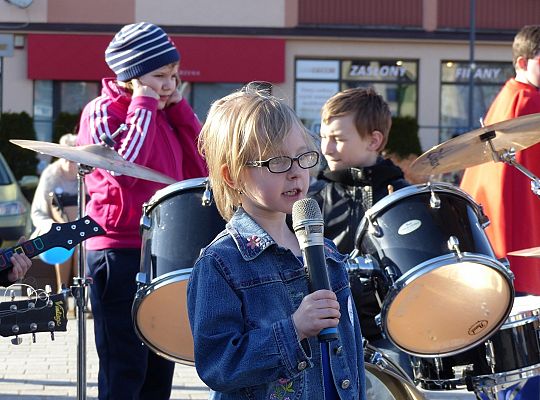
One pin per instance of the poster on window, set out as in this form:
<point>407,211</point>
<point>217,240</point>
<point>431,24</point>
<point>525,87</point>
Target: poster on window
<point>310,97</point>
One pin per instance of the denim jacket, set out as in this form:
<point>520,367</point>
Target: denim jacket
<point>242,293</point>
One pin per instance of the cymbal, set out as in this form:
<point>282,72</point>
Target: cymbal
<point>531,252</point>
<point>472,148</point>
<point>97,156</point>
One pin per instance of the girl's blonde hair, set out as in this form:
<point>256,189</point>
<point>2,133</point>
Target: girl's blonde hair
<point>244,126</point>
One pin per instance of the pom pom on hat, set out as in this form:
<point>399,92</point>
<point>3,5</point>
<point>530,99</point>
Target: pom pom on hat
<point>138,49</point>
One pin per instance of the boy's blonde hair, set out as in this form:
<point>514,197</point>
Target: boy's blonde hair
<point>244,126</point>
<point>371,112</point>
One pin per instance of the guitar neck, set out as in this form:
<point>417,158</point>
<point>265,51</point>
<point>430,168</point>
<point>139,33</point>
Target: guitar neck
<point>66,235</point>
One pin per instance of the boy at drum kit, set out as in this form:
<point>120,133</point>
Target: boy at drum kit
<point>501,189</point>
<point>161,135</point>
<point>253,318</point>
<point>355,125</point>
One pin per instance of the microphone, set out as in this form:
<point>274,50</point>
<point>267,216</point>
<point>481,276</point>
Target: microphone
<point>308,228</point>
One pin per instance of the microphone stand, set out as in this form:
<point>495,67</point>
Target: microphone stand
<point>78,289</point>
<point>81,282</point>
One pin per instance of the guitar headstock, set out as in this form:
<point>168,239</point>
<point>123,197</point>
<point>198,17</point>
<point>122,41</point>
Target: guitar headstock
<point>70,234</point>
<point>42,314</point>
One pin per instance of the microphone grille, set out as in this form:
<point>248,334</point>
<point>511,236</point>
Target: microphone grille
<point>305,209</point>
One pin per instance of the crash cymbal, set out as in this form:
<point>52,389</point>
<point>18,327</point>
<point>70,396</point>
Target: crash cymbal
<point>472,148</point>
<point>532,252</point>
<point>95,155</point>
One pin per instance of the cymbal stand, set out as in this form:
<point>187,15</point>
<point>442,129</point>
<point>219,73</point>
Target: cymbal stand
<point>79,289</point>
<point>509,157</point>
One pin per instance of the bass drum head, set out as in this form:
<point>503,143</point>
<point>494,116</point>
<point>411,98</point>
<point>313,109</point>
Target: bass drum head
<point>161,317</point>
<point>448,305</point>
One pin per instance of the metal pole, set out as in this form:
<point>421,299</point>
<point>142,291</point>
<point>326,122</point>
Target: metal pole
<point>79,291</point>
<point>472,65</point>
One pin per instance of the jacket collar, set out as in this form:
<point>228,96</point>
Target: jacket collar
<point>251,240</point>
<point>248,236</point>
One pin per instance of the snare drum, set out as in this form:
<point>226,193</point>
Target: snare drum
<point>445,290</point>
<point>177,222</point>
<point>512,354</point>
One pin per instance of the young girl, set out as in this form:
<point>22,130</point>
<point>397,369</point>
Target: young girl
<point>254,322</point>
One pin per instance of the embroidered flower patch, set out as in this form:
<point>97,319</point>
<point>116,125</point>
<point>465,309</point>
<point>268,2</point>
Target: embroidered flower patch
<point>283,390</point>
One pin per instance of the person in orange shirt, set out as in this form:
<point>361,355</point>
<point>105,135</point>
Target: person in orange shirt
<point>503,191</point>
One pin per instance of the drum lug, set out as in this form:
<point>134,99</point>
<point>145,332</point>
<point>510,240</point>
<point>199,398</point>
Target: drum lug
<point>207,195</point>
<point>146,223</point>
<point>453,245</point>
<point>142,278</point>
<point>374,229</point>
<point>490,355</point>
<point>434,200</point>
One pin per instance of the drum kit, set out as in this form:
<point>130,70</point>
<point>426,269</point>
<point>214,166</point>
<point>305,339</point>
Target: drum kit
<point>443,296</point>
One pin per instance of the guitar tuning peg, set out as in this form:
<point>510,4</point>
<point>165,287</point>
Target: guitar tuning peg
<point>16,340</point>
<point>33,327</point>
<point>12,295</point>
<point>33,337</point>
<point>48,289</point>
<point>28,292</point>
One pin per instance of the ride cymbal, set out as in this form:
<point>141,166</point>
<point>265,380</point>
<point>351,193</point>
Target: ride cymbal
<point>97,156</point>
<point>473,148</point>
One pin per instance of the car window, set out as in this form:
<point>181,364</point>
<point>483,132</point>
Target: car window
<point>5,179</point>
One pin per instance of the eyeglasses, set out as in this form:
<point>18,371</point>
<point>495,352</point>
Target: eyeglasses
<point>280,164</point>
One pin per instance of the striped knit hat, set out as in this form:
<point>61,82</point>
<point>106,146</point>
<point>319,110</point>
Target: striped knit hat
<point>138,49</point>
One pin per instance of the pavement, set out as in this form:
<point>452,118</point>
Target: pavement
<point>47,369</point>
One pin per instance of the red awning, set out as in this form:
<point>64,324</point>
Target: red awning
<point>203,59</point>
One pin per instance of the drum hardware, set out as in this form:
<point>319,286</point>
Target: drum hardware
<point>386,379</point>
<point>453,245</point>
<point>411,246</point>
<point>184,214</point>
<point>207,195</point>
<point>88,158</point>
<point>490,355</point>
<point>434,201</point>
<point>488,143</point>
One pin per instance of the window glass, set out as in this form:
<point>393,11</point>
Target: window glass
<point>455,116</point>
<point>43,109</point>
<point>75,95</point>
<point>317,80</point>
<point>204,94</point>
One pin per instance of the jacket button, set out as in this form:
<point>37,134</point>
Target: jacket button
<point>338,350</point>
<point>302,365</point>
<point>345,383</point>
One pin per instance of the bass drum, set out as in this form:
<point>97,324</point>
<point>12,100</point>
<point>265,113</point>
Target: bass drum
<point>178,221</point>
<point>385,380</point>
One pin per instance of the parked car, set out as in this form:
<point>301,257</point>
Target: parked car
<point>15,218</point>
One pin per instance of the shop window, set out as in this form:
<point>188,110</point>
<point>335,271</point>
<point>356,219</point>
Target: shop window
<point>457,115</point>
<point>54,97</point>
<point>318,80</point>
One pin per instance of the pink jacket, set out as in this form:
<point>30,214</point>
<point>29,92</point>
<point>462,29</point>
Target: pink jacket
<point>163,140</point>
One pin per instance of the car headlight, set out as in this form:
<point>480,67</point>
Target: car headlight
<point>12,208</point>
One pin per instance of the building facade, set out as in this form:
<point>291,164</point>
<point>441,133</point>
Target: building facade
<point>416,53</point>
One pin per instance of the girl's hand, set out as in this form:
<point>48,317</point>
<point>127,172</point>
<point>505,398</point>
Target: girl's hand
<point>21,264</point>
<point>317,311</point>
<point>140,89</point>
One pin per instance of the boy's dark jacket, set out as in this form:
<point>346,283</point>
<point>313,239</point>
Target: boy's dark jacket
<point>343,197</point>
